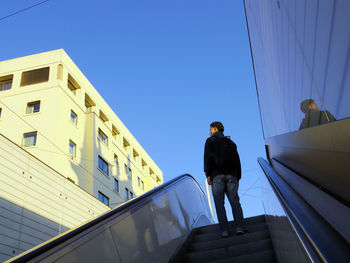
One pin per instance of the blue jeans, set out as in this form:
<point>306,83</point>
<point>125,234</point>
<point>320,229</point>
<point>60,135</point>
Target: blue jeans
<point>227,184</point>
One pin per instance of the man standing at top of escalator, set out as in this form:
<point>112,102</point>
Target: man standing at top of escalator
<point>222,167</point>
<point>313,115</point>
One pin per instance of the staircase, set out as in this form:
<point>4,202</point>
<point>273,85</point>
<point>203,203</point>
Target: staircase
<point>207,245</point>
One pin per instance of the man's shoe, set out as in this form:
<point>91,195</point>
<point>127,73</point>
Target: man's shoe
<point>225,234</point>
<point>240,231</point>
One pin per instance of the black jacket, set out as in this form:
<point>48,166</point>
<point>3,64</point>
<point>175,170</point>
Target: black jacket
<point>316,117</point>
<point>210,168</point>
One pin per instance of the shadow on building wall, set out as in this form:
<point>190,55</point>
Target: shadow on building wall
<point>22,229</point>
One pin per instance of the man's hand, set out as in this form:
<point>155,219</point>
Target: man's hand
<point>209,181</point>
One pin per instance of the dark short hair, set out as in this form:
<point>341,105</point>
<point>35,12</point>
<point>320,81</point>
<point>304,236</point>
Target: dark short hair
<point>304,106</point>
<point>218,125</point>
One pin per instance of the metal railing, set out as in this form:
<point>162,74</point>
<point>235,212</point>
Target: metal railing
<point>320,240</point>
<point>170,192</point>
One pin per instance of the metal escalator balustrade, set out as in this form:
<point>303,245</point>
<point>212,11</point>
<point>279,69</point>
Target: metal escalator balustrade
<point>299,232</point>
<point>146,229</point>
<point>318,233</point>
<point>172,221</point>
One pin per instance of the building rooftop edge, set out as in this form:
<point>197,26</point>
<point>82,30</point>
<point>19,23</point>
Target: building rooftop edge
<point>60,55</point>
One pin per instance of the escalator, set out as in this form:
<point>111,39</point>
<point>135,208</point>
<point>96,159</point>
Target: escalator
<point>173,223</point>
<point>207,245</point>
<point>148,228</point>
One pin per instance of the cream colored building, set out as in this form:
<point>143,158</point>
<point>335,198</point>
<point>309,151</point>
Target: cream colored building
<point>51,110</point>
<point>37,202</point>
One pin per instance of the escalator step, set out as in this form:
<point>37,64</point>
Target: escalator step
<point>249,248</point>
<point>267,256</point>
<point>201,237</point>
<point>221,255</point>
<point>252,226</point>
<point>247,221</point>
<point>207,245</point>
<point>207,255</point>
<point>230,241</point>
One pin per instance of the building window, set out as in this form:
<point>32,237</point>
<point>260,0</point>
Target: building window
<point>33,107</point>
<point>130,173</point>
<point>102,137</point>
<point>103,116</point>
<point>89,103</point>
<point>126,144</point>
<point>72,148</point>
<point>103,198</point>
<point>29,139</point>
<point>126,193</point>
<point>140,183</point>
<point>131,195</point>
<point>35,76</point>
<point>135,154</point>
<point>72,84</point>
<point>151,172</point>
<point>74,118</point>
<point>115,132</point>
<point>144,164</point>
<point>6,82</point>
<point>116,161</point>
<point>116,185</point>
<point>102,165</point>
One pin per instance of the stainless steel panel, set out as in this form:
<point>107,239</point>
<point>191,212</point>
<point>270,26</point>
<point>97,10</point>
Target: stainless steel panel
<point>321,154</point>
<point>300,51</point>
<point>85,252</point>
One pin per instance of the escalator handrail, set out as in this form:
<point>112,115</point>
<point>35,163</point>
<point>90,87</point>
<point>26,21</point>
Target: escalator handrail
<point>51,243</point>
<point>313,228</point>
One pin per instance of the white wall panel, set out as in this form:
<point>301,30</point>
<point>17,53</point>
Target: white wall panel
<point>36,202</point>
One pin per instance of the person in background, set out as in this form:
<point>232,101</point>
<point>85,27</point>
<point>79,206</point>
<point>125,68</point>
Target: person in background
<point>313,115</point>
<point>222,167</point>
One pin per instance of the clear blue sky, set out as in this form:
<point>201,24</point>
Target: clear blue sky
<point>167,68</point>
